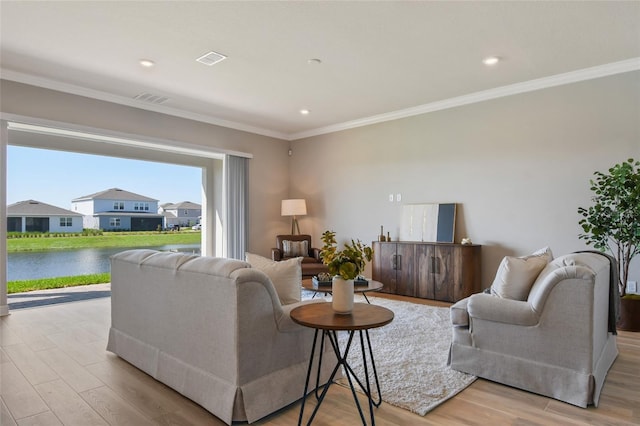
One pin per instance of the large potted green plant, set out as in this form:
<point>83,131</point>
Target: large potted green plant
<point>344,265</point>
<point>612,224</point>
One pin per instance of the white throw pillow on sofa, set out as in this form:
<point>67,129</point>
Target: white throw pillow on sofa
<point>516,275</point>
<point>286,275</point>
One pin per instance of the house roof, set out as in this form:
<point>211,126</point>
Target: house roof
<point>37,208</point>
<point>114,194</point>
<point>182,205</point>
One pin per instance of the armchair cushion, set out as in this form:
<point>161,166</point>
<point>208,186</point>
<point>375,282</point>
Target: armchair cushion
<point>516,275</point>
<point>295,248</point>
<point>286,276</point>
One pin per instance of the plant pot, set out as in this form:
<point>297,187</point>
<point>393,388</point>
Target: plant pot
<point>629,315</point>
<point>342,295</point>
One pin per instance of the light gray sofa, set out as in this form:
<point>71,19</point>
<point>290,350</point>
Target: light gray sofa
<point>213,329</point>
<point>558,342</point>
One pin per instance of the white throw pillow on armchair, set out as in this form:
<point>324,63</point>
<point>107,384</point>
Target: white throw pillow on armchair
<point>516,275</point>
<point>285,275</point>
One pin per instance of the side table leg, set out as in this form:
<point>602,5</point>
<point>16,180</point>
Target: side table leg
<point>375,372</point>
<point>306,383</point>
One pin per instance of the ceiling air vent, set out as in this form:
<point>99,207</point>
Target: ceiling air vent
<point>211,58</point>
<point>151,99</point>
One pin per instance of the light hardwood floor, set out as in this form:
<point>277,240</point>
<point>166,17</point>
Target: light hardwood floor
<point>54,370</point>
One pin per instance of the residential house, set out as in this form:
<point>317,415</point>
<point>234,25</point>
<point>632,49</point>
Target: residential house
<point>184,213</point>
<point>115,209</point>
<point>399,109</point>
<point>36,216</point>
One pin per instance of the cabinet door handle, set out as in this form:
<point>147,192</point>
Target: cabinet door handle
<point>435,265</point>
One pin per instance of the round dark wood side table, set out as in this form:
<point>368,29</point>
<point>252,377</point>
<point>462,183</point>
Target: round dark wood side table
<point>322,318</point>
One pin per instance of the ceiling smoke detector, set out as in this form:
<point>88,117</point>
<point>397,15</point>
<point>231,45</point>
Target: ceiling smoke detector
<point>211,58</point>
<point>151,99</point>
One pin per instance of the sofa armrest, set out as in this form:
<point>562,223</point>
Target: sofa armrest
<point>276,254</point>
<point>284,322</point>
<point>496,309</point>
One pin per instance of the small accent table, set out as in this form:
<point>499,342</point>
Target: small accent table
<point>307,284</point>
<point>321,316</point>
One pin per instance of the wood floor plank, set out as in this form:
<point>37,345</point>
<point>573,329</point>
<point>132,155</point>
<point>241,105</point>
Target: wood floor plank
<point>30,364</point>
<point>67,405</point>
<point>4,357</point>
<point>69,370</point>
<point>44,419</point>
<point>33,337</point>
<point>84,353</point>
<point>18,394</point>
<point>115,410</point>
<point>6,419</point>
<point>8,336</point>
<point>152,398</point>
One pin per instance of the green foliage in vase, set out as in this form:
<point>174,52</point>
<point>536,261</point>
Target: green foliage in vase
<point>349,262</point>
<point>612,223</point>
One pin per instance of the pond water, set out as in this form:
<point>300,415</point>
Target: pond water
<point>61,263</point>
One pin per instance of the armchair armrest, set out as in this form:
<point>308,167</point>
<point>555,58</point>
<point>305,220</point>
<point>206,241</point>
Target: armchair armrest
<point>276,254</point>
<point>492,308</point>
<point>315,253</point>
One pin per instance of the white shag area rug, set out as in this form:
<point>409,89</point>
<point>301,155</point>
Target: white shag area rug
<point>411,356</point>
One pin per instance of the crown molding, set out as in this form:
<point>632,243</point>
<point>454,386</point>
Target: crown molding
<point>599,71</point>
<point>121,100</point>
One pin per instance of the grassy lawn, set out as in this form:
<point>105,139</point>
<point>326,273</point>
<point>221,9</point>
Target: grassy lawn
<point>58,282</point>
<point>108,239</point>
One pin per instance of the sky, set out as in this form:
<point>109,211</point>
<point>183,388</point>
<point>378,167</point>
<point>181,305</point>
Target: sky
<point>57,177</point>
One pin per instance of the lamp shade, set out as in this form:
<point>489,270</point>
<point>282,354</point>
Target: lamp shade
<point>294,207</point>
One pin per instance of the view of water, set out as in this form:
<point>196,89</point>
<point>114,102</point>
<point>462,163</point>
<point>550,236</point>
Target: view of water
<point>33,265</point>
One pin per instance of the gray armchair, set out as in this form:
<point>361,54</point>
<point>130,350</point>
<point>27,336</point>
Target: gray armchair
<point>311,262</point>
<point>558,342</point>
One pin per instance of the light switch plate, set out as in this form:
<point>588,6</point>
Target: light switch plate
<point>632,286</point>
<point>391,198</point>
<point>398,197</point>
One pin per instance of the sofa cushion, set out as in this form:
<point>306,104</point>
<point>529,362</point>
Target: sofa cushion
<point>295,248</point>
<point>516,275</point>
<point>285,275</point>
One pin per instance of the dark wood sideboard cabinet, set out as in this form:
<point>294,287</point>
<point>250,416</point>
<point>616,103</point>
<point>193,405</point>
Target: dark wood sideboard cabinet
<point>440,271</point>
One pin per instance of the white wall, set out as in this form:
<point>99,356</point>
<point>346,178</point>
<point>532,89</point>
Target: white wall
<point>518,167</point>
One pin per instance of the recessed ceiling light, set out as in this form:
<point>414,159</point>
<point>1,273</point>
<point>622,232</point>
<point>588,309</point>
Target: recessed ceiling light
<point>147,63</point>
<point>491,60</point>
<point>314,61</point>
<point>304,111</point>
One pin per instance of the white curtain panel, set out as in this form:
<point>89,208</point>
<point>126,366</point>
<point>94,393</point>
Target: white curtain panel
<point>236,178</point>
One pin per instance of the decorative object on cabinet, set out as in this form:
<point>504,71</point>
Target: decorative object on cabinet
<point>441,271</point>
<point>428,222</point>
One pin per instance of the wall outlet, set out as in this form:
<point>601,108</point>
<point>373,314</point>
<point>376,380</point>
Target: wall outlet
<point>632,286</point>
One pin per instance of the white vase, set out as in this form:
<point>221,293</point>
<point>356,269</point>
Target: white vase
<point>342,295</point>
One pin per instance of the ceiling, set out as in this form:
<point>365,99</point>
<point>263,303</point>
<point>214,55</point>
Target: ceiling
<point>379,60</point>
